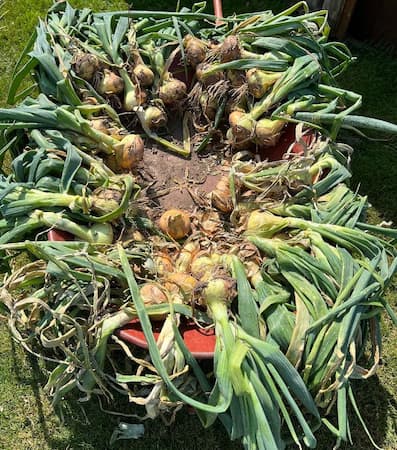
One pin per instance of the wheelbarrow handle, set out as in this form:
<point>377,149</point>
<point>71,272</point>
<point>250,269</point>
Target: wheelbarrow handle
<point>218,11</point>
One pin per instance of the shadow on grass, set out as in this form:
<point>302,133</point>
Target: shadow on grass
<point>89,428</point>
<point>83,425</point>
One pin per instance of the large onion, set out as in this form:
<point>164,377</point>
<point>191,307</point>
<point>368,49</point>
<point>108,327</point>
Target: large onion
<point>129,152</point>
<point>175,223</point>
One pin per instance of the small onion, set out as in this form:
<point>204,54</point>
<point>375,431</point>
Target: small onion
<point>186,256</point>
<point>259,81</point>
<point>144,75</point>
<point>86,66</point>
<point>230,49</point>
<point>221,195</point>
<point>195,50</point>
<point>133,98</point>
<point>105,200</point>
<point>175,223</point>
<point>151,294</point>
<point>244,129</point>
<point>164,264</point>
<point>110,83</point>
<point>101,233</point>
<point>155,118</point>
<point>201,267</point>
<point>236,78</point>
<point>172,91</point>
<point>207,77</point>
<point>185,282</point>
<point>268,132</point>
<point>129,152</point>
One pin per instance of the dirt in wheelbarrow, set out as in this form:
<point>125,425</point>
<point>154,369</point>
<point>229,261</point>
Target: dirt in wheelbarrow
<point>173,181</point>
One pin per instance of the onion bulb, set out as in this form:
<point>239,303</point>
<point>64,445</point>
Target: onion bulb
<point>163,263</point>
<point>268,132</point>
<point>151,294</point>
<point>175,223</point>
<point>259,81</point>
<point>134,97</point>
<point>195,50</point>
<point>86,66</point>
<point>172,91</point>
<point>236,78</point>
<point>110,83</point>
<point>129,152</point>
<point>230,49</point>
<point>185,282</point>
<point>206,76</point>
<point>243,129</point>
<point>105,200</point>
<point>201,267</point>
<point>221,195</point>
<point>143,75</point>
<point>101,233</point>
<point>155,118</point>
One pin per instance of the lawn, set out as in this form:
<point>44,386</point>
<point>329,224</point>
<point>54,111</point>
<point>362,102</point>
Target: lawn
<point>27,420</point>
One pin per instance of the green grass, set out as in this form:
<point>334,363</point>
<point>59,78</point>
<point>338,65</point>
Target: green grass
<point>27,420</point>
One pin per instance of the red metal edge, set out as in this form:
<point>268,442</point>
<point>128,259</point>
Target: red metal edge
<point>200,342</point>
<point>59,236</point>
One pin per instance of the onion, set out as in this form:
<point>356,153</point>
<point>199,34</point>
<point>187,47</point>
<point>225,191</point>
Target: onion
<point>105,200</point>
<point>268,132</point>
<point>101,233</point>
<point>230,49</point>
<point>164,264</point>
<point>151,294</point>
<point>186,255</point>
<point>133,98</point>
<point>172,91</point>
<point>144,75</point>
<point>155,118</point>
<point>129,152</point>
<point>236,78</point>
<point>185,282</point>
<point>110,83</point>
<point>86,66</point>
<point>221,195</point>
<point>195,50</point>
<point>259,81</point>
<point>235,116</point>
<point>175,223</point>
<point>244,129</point>
<point>201,267</point>
<point>100,125</point>
<point>208,78</point>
